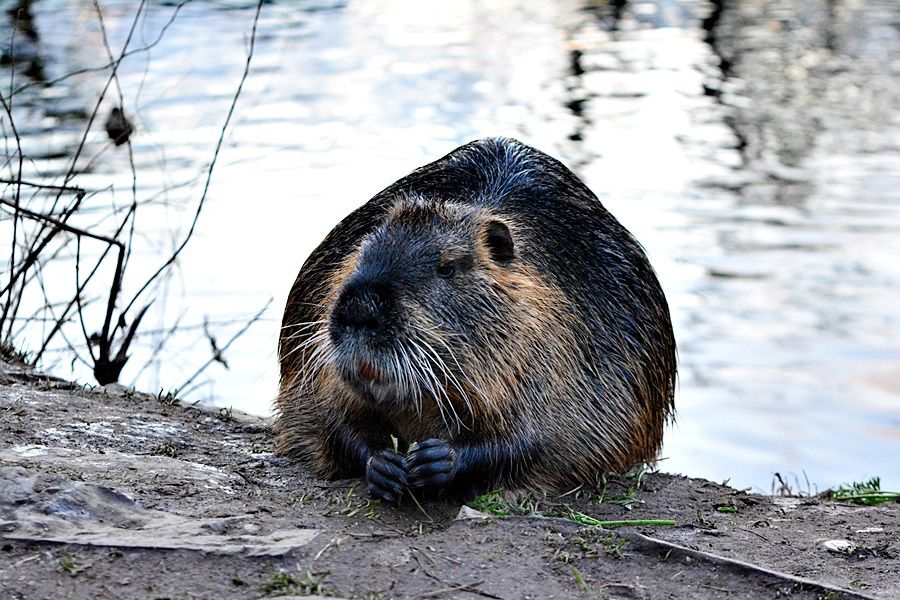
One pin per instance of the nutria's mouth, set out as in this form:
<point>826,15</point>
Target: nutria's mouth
<point>365,375</point>
<point>368,371</point>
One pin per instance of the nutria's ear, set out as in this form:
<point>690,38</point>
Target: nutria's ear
<point>499,242</point>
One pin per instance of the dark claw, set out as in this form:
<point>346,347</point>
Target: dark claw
<point>431,465</point>
<point>386,475</point>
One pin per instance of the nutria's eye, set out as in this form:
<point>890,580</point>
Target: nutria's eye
<point>500,243</point>
<point>446,270</point>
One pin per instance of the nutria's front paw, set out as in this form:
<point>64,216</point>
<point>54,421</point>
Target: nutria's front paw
<point>386,475</point>
<point>431,465</point>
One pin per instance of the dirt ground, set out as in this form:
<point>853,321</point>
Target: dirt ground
<point>106,493</point>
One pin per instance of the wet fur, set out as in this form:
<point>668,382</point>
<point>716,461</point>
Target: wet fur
<point>571,372</point>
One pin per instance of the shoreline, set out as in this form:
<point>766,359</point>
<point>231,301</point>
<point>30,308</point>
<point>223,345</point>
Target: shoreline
<point>109,493</point>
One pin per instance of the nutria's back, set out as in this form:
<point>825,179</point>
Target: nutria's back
<point>490,308</point>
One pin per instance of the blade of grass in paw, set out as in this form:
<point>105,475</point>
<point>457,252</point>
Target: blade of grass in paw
<point>395,443</point>
<point>409,491</point>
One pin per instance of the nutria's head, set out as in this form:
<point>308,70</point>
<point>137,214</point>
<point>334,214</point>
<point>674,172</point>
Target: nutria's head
<point>429,309</point>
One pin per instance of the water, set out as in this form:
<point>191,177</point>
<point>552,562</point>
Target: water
<point>757,159</point>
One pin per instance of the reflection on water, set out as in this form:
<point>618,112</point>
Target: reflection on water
<point>752,147</point>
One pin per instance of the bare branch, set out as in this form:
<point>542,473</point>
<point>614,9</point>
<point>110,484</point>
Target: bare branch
<point>45,228</point>
<point>146,47</point>
<point>62,226</point>
<point>217,355</point>
<point>44,186</point>
<point>7,107</point>
<point>212,164</point>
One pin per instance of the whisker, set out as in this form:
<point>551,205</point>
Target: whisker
<point>315,338</point>
<point>449,376</point>
<point>322,355</point>
<point>304,324</point>
<point>454,379</point>
<point>400,375</point>
<point>431,381</point>
<point>413,376</point>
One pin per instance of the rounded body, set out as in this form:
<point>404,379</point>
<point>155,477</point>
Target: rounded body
<point>490,315</point>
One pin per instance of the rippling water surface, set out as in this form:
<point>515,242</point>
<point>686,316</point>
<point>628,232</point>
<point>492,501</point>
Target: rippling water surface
<point>754,149</point>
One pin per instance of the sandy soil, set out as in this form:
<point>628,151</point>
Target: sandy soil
<point>106,493</point>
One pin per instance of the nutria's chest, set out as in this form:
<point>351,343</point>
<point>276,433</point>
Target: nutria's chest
<point>412,426</point>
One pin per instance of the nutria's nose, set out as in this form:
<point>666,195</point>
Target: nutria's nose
<point>362,307</point>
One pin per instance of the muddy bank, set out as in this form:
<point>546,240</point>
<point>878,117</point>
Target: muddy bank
<point>110,493</point>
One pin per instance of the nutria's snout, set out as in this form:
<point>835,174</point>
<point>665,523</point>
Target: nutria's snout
<point>363,309</point>
<point>361,329</point>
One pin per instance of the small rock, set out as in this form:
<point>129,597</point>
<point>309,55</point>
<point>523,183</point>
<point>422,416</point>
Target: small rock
<point>871,530</point>
<point>840,546</point>
<point>390,557</point>
<point>467,512</point>
<point>8,526</point>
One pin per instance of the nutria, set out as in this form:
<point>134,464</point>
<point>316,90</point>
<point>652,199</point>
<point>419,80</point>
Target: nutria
<point>487,314</point>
